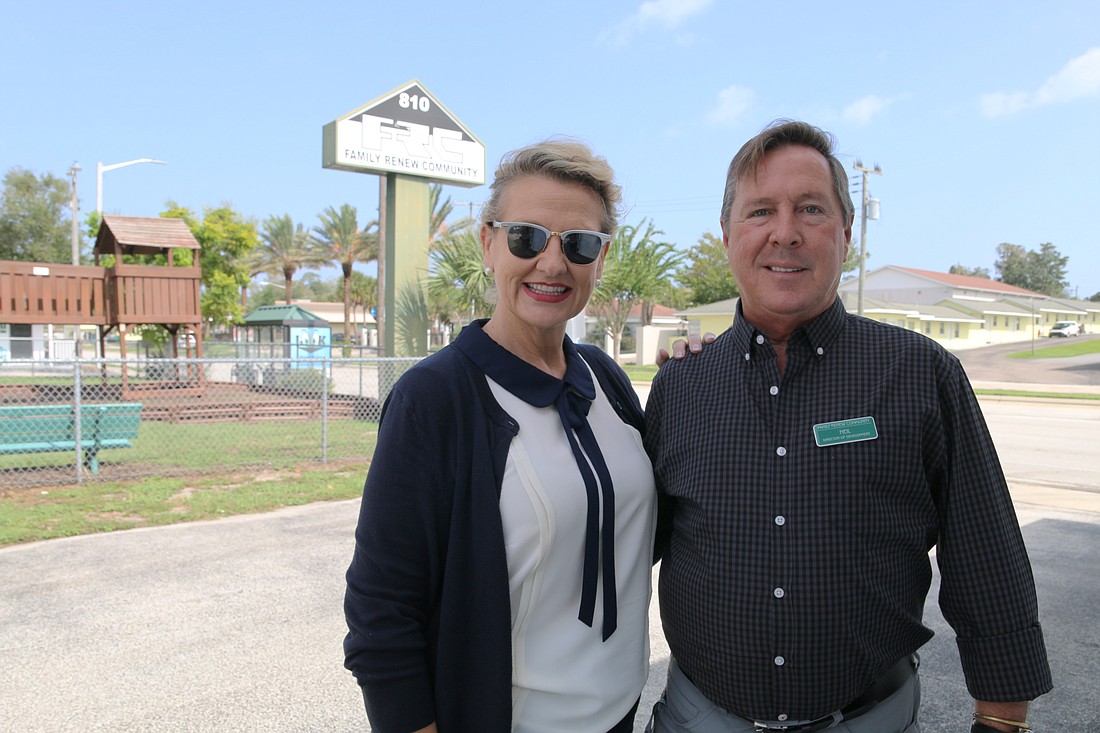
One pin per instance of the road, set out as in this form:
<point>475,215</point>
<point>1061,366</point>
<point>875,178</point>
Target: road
<point>236,624</point>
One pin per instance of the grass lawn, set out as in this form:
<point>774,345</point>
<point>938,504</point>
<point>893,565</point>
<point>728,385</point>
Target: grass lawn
<point>189,472</point>
<point>27,515</point>
<point>1065,347</point>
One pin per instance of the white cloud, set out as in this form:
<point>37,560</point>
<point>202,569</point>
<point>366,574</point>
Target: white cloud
<point>1002,103</point>
<point>1078,79</point>
<point>733,101</point>
<point>862,111</point>
<point>666,14</point>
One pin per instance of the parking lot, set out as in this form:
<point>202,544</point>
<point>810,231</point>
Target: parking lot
<point>236,625</point>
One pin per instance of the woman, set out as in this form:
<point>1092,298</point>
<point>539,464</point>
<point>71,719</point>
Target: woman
<point>500,580</point>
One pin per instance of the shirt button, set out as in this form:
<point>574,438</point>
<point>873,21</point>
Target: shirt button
<point>774,390</point>
<point>779,592</point>
<point>781,451</point>
<point>782,716</point>
<point>780,661</point>
<point>759,339</point>
<point>747,357</point>
<point>820,351</point>
<point>780,520</point>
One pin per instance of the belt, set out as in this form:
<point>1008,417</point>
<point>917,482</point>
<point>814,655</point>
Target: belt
<point>882,688</point>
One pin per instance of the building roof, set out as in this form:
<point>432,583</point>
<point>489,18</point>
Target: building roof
<point>948,313</point>
<point>283,315</point>
<point>871,305</point>
<point>143,235</point>
<point>334,312</point>
<point>968,282</point>
<point>718,308</point>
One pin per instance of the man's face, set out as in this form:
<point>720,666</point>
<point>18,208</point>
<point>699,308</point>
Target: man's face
<point>786,239</point>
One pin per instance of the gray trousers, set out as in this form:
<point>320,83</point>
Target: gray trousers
<point>684,709</point>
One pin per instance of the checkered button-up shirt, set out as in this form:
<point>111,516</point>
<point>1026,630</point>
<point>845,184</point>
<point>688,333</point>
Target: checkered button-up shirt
<point>805,505</point>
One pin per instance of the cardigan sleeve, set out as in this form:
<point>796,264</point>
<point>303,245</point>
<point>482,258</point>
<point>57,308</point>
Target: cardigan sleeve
<point>396,569</point>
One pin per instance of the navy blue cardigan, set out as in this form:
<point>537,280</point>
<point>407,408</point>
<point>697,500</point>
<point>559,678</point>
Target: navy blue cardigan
<point>427,602</point>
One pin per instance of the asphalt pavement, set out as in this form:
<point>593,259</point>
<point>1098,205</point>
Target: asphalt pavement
<point>236,624</point>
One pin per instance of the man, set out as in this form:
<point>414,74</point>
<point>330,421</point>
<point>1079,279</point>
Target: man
<point>830,454</point>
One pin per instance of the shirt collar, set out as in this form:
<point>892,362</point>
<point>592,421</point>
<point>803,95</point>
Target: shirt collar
<point>819,334</point>
<point>524,380</point>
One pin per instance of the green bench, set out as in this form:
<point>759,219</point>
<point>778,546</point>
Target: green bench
<point>52,428</point>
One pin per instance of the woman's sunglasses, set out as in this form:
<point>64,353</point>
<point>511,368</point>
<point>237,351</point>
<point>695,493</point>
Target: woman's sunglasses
<point>581,247</point>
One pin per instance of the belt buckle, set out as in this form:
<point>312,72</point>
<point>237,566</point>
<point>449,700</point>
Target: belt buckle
<point>829,721</point>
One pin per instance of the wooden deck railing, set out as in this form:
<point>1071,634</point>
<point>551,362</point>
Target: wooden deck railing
<point>151,294</point>
<point>52,293</point>
<point>84,294</point>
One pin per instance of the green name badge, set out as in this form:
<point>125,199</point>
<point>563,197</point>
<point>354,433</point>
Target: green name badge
<point>845,431</point>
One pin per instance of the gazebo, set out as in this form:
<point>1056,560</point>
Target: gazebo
<point>286,332</point>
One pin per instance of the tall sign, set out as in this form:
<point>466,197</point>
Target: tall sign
<point>409,137</point>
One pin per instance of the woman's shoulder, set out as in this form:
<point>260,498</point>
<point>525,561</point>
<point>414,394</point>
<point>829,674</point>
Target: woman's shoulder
<point>435,381</point>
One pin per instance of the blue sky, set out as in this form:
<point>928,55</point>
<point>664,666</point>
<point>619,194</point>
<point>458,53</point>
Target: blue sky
<point>983,115</point>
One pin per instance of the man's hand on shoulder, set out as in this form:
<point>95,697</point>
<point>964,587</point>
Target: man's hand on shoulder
<point>682,347</point>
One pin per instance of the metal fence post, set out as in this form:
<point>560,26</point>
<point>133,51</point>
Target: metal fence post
<point>77,422</point>
<point>326,370</point>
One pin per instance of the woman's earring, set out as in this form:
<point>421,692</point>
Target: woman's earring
<point>599,281</point>
<point>488,270</point>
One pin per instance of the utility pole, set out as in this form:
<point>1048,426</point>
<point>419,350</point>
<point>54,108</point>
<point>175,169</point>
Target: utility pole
<point>471,204</point>
<point>863,227</point>
<point>74,205</point>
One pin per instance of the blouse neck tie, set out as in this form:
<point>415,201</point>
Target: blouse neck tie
<point>572,396</point>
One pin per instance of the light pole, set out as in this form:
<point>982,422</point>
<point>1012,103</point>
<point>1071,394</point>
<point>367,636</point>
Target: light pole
<point>99,170</point>
<point>863,228</point>
<point>74,205</point>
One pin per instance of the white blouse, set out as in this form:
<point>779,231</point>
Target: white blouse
<point>564,676</point>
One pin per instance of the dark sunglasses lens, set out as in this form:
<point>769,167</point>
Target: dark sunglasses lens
<point>582,249</point>
<point>525,242</point>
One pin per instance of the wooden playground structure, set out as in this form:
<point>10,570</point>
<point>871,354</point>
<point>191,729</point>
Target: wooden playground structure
<point>117,297</point>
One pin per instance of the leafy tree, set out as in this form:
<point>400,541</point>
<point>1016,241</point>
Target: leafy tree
<point>344,243</point>
<point>636,269</point>
<point>1042,272</point>
<point>960,269</point>
<point>851,262</point>
<point>226,241</point>
<point>285,249</point>
<point>458,285</point>
<point>1095,297</point>
<point>34,225</point>
<point>311,286</point>
<point>92,220</point>
<point>706,273</point>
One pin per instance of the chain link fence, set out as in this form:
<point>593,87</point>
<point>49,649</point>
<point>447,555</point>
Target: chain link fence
<point>72,421</point>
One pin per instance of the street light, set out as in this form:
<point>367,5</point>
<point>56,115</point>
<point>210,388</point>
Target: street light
<point>100,168</point>
<point>863,228</point>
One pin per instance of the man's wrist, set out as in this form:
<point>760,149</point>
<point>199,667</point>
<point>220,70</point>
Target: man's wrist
<point>984,723</point>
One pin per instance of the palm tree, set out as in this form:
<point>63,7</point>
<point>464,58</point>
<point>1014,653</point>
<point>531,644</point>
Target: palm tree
<point>457,282</point>
<point>284,250</point>
<point>636,269</point>
<point>344,244</point>
<point>437,224</point>
<point>364,293</point>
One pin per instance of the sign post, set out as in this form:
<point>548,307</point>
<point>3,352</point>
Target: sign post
<point>411,139</point>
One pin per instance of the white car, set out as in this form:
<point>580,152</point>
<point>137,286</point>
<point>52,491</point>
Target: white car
<point>1065,329</point>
